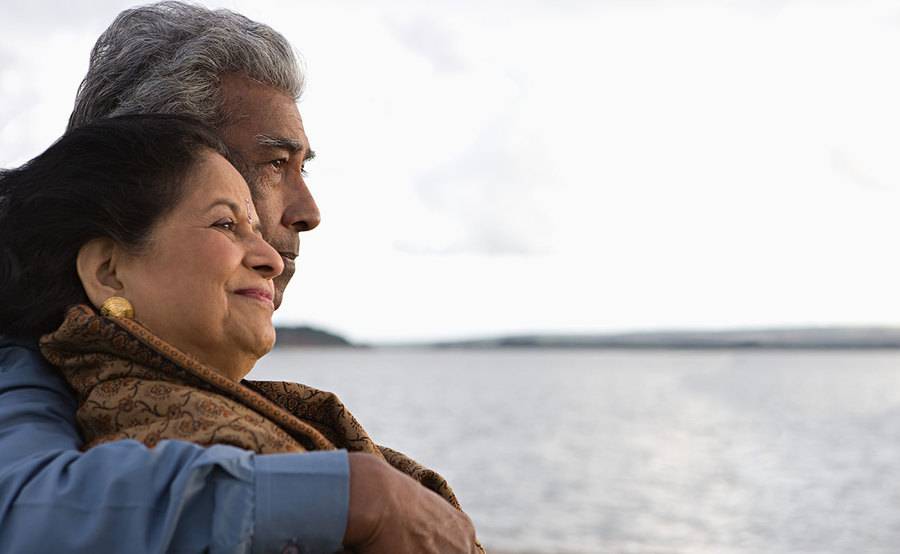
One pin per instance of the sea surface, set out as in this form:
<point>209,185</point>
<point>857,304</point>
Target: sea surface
<point>584,451</point>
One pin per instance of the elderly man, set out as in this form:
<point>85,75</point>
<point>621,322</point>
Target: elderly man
<point>240,77</point>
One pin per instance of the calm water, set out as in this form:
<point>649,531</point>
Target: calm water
<point>607,451</point>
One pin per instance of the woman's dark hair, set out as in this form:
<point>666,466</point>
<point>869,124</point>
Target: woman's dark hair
<point>114,178</point>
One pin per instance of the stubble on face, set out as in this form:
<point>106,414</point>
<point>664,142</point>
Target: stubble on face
<point>257,118</point>
<point>286,243</point>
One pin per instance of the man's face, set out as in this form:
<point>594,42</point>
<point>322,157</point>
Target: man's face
<point>264,129</point>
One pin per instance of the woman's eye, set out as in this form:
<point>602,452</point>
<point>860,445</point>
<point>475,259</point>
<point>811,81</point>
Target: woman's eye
<point>227,224</point>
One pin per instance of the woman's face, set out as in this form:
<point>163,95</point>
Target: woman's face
<point>204,284</point>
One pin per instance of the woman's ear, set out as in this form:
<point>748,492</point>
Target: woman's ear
<point>97,265</point>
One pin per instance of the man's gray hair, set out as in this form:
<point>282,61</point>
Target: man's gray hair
<point>169,58</point>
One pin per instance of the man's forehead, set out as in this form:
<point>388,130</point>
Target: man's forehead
<point>256,111</point>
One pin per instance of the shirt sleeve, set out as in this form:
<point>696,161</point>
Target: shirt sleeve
<point>123,496</point>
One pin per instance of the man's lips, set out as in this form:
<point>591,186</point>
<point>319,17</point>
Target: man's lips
<point>288,255</point>
<point>258,294</point>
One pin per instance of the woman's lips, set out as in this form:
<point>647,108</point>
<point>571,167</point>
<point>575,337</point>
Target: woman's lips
<point>257,294</point>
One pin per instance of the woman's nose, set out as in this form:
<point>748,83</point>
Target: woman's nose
<point>264,259</point>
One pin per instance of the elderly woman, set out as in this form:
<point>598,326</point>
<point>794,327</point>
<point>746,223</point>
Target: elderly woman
<point>132,248</point>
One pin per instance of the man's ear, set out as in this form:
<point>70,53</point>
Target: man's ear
<point>97,265</point>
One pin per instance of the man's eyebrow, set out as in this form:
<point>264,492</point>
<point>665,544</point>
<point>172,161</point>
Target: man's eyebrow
<point>279,142</point>
<point>291,145</point>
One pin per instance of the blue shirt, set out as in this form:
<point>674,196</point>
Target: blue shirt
<point>125,497</point>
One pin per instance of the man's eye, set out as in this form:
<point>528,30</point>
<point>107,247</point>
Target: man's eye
<point>227,224</point>
<point>279,163</point>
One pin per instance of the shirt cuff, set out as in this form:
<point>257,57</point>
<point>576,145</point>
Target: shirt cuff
<point>301,499</point>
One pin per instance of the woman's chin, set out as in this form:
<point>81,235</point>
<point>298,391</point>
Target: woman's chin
<point>249,328</point>
<point>261,341</point>
<point>232,350</point>
<point>266,344</point>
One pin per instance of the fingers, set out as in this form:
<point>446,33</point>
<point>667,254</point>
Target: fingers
<point>392,513</point>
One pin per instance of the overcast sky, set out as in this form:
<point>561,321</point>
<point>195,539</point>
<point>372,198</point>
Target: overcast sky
<point>494,167</point>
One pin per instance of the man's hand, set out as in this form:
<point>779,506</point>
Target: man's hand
<point>392,513</point>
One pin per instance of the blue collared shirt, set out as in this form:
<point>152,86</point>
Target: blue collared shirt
<point>123,496</point>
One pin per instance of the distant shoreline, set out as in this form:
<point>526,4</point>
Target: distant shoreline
<point>834,338</point>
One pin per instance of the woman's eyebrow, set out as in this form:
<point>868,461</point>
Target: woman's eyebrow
<point>236,209</point>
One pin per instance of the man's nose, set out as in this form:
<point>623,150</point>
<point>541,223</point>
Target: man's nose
<point>301,212</point>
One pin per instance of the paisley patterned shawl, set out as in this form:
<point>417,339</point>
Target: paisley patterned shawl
<point>133,385</point>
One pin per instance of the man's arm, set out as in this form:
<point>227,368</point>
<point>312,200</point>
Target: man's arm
<point>391,513</point>
<point>124,496</point>
<point>180,497</point>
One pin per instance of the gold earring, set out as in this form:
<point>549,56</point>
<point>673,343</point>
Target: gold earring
<point>116,306</point>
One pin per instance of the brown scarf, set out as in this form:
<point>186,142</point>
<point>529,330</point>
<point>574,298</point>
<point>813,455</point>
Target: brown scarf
<point>132,385</point>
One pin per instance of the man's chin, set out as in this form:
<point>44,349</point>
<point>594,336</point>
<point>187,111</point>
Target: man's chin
<point>281,282</point>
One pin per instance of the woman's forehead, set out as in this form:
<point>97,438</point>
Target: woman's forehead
<point>214,177</point>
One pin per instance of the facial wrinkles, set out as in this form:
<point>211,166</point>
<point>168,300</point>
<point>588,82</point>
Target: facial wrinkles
<point>268,210</point>
<point>269,207</point>
<point>262,121</point>
<point>190,261</point>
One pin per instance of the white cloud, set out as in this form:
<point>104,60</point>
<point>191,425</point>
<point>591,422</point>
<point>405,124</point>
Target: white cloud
<point>427,36</point>
<point>567,165</point>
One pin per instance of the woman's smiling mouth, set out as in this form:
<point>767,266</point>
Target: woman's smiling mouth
<point>261,295</point>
